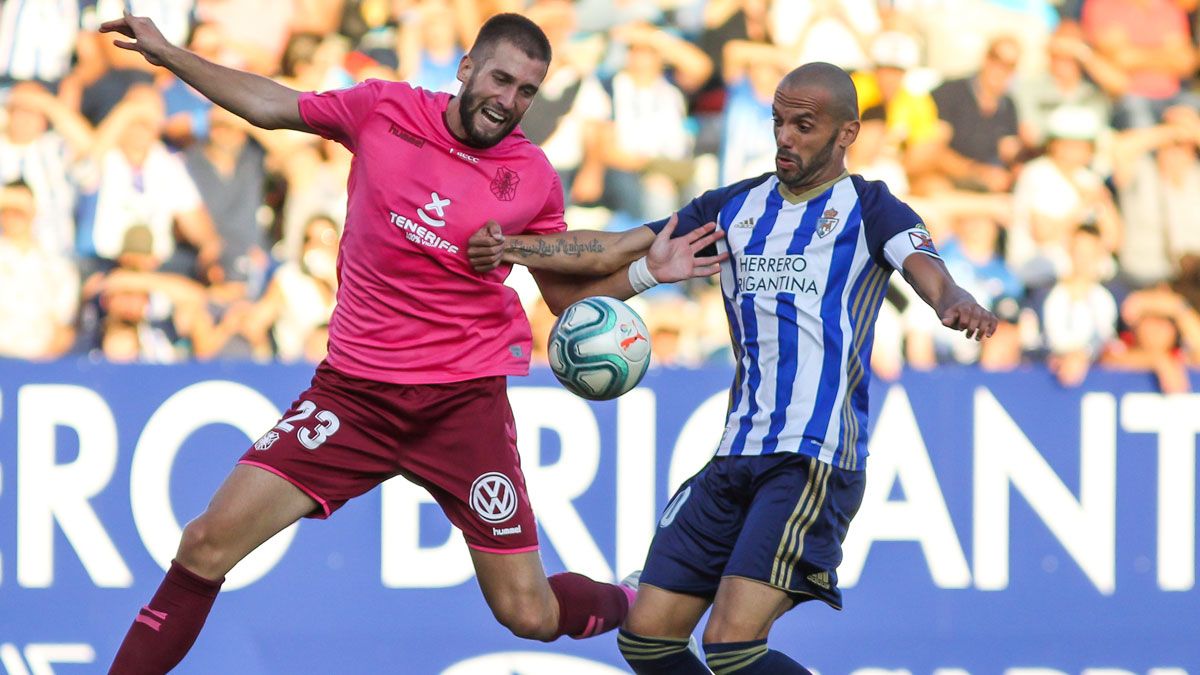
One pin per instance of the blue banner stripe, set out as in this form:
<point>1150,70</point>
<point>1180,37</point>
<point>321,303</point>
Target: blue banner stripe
<point>831,321</point>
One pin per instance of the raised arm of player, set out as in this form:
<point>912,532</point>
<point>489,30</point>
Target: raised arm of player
<point>260,101</point>
<point>954,306</point>
<point>667,259</point>
<point>578,252</point>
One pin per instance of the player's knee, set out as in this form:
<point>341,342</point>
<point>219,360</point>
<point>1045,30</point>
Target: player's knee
<point>525,613</point>
<point>527,620</point>
<point>723,629</point>
<point>201,549</point>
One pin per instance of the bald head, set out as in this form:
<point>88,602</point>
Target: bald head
<point>841,97</point>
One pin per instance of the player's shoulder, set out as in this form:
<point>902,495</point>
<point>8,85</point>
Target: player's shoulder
<point>875,198</point>
<point>722,195</point>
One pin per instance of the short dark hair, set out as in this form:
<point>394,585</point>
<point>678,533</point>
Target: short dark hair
<point>19,183</point>
<point>516,30</point>
<point>843,97</point>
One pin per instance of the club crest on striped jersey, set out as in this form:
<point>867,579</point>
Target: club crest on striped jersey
<point>828,222</point>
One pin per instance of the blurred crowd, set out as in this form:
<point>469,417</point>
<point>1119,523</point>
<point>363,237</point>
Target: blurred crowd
<point>1050,146</point>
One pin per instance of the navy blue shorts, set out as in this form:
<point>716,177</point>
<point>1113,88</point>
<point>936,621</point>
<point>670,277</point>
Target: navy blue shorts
<point>779,519</point>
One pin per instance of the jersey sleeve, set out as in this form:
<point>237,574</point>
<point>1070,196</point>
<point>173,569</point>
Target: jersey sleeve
<point>707,207</point>
<point>893,230</point>
<point>551,218</point>
<point>338,114</point>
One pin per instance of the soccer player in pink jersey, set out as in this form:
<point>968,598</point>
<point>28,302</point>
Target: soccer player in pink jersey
<point>420,345</point>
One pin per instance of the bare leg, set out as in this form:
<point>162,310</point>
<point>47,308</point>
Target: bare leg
<point>250,507</point>
<point>534,607</point>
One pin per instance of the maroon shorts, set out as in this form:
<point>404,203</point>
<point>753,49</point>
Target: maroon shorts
<point>345,435</point>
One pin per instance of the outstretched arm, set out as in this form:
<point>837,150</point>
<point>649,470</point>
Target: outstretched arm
<point>667,260</point>
<point>583,252</point>
<point>578,252</point>
<point>260,101</point>
<point>954,306</point>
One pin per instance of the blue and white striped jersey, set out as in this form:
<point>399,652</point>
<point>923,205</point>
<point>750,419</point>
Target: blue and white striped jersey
<point>803,285</point>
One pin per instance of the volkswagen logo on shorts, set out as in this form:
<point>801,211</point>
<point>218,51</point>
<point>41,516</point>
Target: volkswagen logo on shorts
<point>493,497</point>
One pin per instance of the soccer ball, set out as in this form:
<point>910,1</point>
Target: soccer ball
<point>599,348</point>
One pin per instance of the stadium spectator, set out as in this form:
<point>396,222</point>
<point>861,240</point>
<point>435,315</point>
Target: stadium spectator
<point>133,179</point>
<point>254,31</point>
<point>38,41</point>
<point>723,21</point>
<point>569,114</point>
<point>186,109</point>
<point>982,119</point>
<point>430,47</point>
<point>149,316</point>
<point>1151,43</point>
<point>316,173</point>
<point>106,73</point>
<point>1163,338</point>
<point>649,146</point>
<point>40,286</point>
<point>750,70</point>
<point>1079,315</point>
<point>313,62</point>
<point>1055,194</point>
<point>887,92</point>
<point>1075,76</point>
<point>834,31</point>
<point>1157,175</point>
<point>230,176</point>
<point>299,299</point>
<point>40,143</point>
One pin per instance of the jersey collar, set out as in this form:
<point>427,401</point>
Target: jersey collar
<point>808,194</point>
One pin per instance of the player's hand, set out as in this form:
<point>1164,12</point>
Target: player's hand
<point>974,321</point>
<point>671,260</point>
<point>485,248</point>
<point>148,41</point>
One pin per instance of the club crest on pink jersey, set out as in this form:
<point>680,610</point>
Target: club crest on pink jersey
<point>504,185</point>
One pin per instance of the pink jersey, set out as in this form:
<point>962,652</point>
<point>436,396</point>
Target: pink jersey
<point>410,310</point>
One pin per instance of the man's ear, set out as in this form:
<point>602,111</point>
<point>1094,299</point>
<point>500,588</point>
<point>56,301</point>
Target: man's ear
<point>849,133</point>
<point>465,66</point>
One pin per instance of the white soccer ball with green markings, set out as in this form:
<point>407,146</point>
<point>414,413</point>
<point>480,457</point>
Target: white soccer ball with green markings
<point>599,348</point>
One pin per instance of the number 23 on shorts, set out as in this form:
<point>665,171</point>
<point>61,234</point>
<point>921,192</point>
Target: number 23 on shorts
<point>311,438</point>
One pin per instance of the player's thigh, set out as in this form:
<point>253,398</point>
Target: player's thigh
<point>792,536</point>
<point>250,507</point>
<point>698,530</point>
<point>514,584</point>
<point>661,613</point>
<point>745,610</point>
<point>467,459</point>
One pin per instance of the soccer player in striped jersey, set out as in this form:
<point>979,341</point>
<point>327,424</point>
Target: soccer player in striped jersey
<point>759,529</point>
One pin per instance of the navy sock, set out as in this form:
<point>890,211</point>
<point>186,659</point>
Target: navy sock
<point>658,656</point>
<point>750,658</point>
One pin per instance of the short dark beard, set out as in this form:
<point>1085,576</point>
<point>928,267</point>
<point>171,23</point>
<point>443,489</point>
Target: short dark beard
<point>818,163</point>
<point>467,101</point>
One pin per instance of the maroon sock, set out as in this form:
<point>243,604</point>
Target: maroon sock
<point>586,607</point>
<point>165,629</point>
